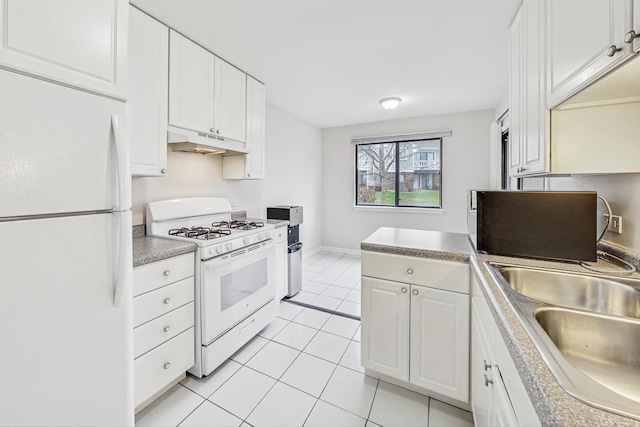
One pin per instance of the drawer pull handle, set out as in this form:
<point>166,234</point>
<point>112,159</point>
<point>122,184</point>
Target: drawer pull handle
<point>404,290</point>
<point>167,328</point>
<point>487,366</point>
<point>410,270</point>
<point>167,365</point>
<point>415,292</point>
<point>167,300</point>
<point>247,326</point>
<point>167,272</point>
<point>487,381</point>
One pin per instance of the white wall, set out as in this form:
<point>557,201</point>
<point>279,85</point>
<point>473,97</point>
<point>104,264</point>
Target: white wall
<point>622,191</point>
<point>465,166</point>
<point>293,176</point>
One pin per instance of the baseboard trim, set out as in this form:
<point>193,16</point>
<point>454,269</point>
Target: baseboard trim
<point>341,250</point>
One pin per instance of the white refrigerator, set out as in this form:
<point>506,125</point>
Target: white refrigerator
<point>66,340</point>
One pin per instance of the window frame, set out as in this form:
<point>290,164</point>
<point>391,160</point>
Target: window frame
<point>396,149</point>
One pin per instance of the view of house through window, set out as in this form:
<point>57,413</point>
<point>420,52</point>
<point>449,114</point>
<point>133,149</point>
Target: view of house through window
<point>406,173</point>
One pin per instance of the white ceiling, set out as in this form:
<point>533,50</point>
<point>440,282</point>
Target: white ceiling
<point>331,61</point>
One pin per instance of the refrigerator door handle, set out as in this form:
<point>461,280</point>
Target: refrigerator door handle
<point>122,159</point>
<point>123,258</point>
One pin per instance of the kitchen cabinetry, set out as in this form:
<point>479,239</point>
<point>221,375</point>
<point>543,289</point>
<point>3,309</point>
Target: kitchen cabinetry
<point>49,40</point>
<point>250,166</point>
<point>415,322</point>
<point>148,94</point>
<point>206,94</point>
<point>498,397</point>
<point>163,312</point>
<point>528,135</point>
<point>282,275</point>
<point>585,40</point>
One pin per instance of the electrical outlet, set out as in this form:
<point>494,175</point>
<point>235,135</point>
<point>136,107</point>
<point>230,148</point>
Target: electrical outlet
<point>615,224</point>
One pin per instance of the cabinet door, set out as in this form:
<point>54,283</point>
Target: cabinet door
<point>148,94</point>
<point>73,42</point>
<point>579,35</point>
<point>516,80</point>
<point>230,91</point>
<point>385,327</point>
<point>281,270</point>
<point>534,115</point>
<point>256,103</point>
<point>481,360</point>
<point>440,341</point>
<point>636,24</point>
<point>502,414</point>
<point>191,77</point>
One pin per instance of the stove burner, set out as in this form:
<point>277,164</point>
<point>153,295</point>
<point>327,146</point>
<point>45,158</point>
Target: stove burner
<point>238,225</point>
<point>203,233</point>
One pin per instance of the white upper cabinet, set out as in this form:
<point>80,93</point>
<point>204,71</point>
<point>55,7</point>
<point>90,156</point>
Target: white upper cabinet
<point>252,165</point>
<point>585,39</point>
<point>77,43</point>
<point>191,83</point>
<point>528,134</point>
<point>148,94</point>
<point>206,94</point>
<point>633,35</point>
<point>230,96</point>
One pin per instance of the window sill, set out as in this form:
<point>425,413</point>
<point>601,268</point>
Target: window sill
<point>394,209</point>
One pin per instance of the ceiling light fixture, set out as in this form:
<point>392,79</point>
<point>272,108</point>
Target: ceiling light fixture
<point>390,103</point>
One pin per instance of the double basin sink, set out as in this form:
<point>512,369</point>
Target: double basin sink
<point>587,329</point>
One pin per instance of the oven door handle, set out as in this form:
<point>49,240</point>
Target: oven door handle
<point>222,259</point>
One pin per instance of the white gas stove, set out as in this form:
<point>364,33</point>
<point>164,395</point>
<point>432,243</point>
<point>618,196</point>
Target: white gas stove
<point>235,273</point>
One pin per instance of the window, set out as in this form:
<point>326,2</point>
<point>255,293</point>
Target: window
<point>405,173</point>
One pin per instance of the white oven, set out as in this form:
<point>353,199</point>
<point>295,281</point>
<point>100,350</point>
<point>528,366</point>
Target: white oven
<point>233,286</point>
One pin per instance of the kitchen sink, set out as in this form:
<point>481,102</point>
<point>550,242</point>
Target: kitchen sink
<point>604,348</point>
<point>617,296</point>
<point>586,327</point>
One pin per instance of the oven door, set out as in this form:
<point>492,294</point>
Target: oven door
<point>235,285</point>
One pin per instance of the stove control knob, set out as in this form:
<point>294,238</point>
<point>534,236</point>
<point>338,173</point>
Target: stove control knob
<point>246,240</point>
<point>261,236</point>
<point>229,246</point>
<point>268,235</point>
<point>219,249</point>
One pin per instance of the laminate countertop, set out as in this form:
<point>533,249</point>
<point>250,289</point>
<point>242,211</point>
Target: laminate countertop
<point>553,405</point>
<point>151,249</point>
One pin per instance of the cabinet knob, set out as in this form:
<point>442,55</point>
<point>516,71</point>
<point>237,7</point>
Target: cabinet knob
<point>218,131</point>
<point>167,365</point>
<point>163,171</point>
<point>612,50</point>
<point>212,130</point>
<point>630,36</point>
<point>487,381</point>
<point>410,270</point>
<point>167,328</point>
<point>415,292</point>
<point>487,366</point>
<point>167,300</point>
<point>249,175</point>
<point>404,290</point>
<point>167,272</point>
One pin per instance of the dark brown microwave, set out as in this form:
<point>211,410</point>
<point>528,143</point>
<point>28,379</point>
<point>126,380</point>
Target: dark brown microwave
<point>557,225</point>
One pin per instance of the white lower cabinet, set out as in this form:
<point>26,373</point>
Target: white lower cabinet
<point>498,396</point>
<point>413,333</point>
<point>163,334</point>
<point>282,264</point>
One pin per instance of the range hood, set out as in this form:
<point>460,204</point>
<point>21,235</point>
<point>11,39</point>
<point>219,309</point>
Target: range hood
<point>202,143</point>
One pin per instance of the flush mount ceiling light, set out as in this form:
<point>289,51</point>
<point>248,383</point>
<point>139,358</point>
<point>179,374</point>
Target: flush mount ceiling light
<point>390,103</point>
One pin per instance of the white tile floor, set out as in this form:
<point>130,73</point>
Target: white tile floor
<point>303,369</point>
<point>331,280</point>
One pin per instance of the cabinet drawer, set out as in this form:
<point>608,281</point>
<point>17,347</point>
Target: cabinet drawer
<point>154,333</point>
<point>159,367</point>
<point>161,301</point>
<point>446,275</point>
<point>161,273</point>
<point>280,234</point>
